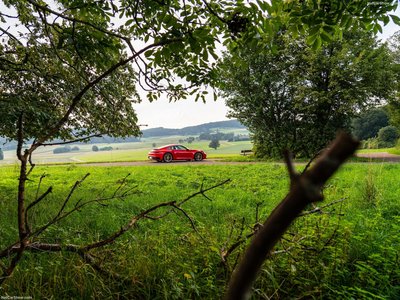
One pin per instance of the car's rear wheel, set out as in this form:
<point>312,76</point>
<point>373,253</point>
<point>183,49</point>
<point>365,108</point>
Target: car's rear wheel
<point>198,156</point>
<point>167,157</point>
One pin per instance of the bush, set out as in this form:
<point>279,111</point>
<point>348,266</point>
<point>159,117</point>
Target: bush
<point>371,143</point>
<point>62,150</point>
<point>1,155</point>
<point>95,148</point>
<point>109,148</point>
<point>387,136</point>
<point>75,148</point>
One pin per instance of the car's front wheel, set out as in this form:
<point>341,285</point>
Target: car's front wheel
<point>167,157</point>
<point>198,156</point>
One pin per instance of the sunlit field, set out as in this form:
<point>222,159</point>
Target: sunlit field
<point>126,151</point>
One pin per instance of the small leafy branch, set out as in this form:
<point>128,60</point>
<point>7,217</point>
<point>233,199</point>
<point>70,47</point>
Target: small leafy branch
<point>30,241</point>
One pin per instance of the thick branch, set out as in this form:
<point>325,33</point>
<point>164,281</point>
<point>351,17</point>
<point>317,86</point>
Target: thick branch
<point>78,98</point>
<point>305,190</point>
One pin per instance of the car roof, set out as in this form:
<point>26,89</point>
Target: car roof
<point>170,145</point>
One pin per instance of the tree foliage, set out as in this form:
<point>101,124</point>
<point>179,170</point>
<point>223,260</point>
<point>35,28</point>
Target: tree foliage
<point>214,144</point>
<point>367,124</point>
<point>394,105</point>
<point>1,154</point>
<point>297,98</point>
<point>75,66</point>
<point>387,136</point>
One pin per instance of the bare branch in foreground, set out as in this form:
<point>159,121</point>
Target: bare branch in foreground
<point>83,251</point>
<point>304,190</point>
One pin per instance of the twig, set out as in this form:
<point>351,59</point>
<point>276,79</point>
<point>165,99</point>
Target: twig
<point>123,182</point>
<point>39,184</point>
<point>311,161</point>
<point>319,209</point>
<point>189,218</point>
<point>201,192</point>
<point>27,225</point>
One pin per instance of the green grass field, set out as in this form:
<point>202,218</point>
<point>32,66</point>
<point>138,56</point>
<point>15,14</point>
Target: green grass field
<point>349,252</point>
<point>393,150</point>
<point>125,151</point>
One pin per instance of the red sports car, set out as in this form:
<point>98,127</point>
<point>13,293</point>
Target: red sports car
<point>172,152</point>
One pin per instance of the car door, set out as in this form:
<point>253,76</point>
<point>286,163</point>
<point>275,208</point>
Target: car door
<point>182,152</point>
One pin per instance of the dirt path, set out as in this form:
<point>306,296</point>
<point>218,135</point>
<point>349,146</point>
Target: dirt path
<point>381,156</point>
<point>174,163</point>
<point>384,156</point>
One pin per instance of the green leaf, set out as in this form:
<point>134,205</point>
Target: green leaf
<point>129,22</point>
<point>326,37</point>
<point>395,19</point>
<point>317,43</point>
<point>311,39</point>
<point>148,53</point>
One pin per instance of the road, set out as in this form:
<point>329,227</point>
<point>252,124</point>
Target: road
<point>381,156</point>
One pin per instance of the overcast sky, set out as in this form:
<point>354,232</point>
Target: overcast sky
<point>187,112</point>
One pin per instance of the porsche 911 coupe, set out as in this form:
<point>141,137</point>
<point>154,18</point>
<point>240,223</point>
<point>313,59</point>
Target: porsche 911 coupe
<point>172,152</point>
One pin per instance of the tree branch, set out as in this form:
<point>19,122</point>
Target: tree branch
<point>73,141</point>
<point>305,190</point>
<point>77,99</point>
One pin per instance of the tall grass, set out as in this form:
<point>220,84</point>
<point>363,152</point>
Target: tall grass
<point>352,252</point>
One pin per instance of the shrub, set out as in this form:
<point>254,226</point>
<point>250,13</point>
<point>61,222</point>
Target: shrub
<point>387,136</point>
<point>75,148</point>
<point>1,155</point>
<point>109,148</point>
<point>371,143</point>
<point>62,150</point>
<point>95,148</point>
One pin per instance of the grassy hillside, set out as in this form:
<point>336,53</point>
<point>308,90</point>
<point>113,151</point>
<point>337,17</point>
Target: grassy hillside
<point>350,251</point>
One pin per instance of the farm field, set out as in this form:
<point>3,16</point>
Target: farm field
<point>351,250</point>
<point>136,151</point>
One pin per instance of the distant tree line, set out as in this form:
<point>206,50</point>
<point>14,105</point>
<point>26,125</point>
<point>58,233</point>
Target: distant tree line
<point>96,148</point>
<point>192,130</point>
<point>230,137</point>
<point>65,149</point>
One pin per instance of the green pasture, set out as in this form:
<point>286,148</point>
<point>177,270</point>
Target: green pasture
<point>388,150</point>
<point>350,251</point>
<point>126,151</point>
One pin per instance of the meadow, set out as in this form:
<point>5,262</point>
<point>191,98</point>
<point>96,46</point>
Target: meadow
<point>348,250</point>
<point>135,151</point>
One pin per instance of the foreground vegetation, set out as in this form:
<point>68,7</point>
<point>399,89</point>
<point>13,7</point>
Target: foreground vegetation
<point>349,251</point>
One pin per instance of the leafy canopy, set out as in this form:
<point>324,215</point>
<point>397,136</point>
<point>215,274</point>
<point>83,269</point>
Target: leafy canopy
<point>73,68</point>
<point>297,98</point>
